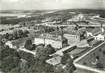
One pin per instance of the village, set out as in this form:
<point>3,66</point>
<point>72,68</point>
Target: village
<point>50,43</point>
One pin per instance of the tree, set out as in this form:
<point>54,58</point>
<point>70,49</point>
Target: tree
<point>1,42</point>
<point>64,42</point>
<point>1,54</point>
<point>15,70</point>
<point>20,33</point>
<point>7,35</point>
<point>39,67</point>
<point>28,44</point>
<point>68,61</point>
<point>28,57</point>
<point>49,49</point>
<point>11,37</point>
<point>15,34</point>
<point>8,63</point>
<point>33,47</point>
<point>8,52</point>
<point>25,33</point>
<point>42,53</point>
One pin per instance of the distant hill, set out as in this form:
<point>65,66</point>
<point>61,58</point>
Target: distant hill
<point>85,11</point>
<point>41,14</point>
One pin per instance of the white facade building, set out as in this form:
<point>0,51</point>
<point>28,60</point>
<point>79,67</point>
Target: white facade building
<point>9,43</point>
<point>72,38</point>
<point>99,37</point>
<point>54,43</point>
<point>79,17</point>
<point>88,34</point>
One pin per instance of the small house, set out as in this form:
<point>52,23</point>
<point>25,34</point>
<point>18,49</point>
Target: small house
<point>99,37</point>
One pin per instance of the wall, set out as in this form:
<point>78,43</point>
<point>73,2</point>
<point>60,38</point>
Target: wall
<point>86,60</point>
<point>83,71</point>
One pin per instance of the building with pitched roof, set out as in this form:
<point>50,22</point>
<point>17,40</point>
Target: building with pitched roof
<point>56,41</point>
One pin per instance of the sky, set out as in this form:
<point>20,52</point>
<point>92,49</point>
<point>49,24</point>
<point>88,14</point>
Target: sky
<point>50,4</point>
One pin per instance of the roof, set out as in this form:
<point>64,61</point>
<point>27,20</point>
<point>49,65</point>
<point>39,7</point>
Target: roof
<point>56,32</point>
<point>83,43</point>
<point>50,36</point>
<point>28,51</point>
<point>95,31</point>
<point>89,29</point>
<point>99,35</point>
<point>91,43</point>
<point>19,42</point>
<point>73,32</point>
<point>60,52</point>
<point>54,61</point>
<point>76,51</point>
<point>93,21</point>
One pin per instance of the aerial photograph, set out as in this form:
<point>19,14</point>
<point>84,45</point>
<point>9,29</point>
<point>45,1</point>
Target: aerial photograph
<point>52,36</point>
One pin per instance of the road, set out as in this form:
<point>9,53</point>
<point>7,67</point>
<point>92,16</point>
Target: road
<point>81,25</point>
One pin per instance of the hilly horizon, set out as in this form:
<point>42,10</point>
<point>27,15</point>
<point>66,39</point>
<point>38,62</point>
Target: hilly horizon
<point>51,4</point>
